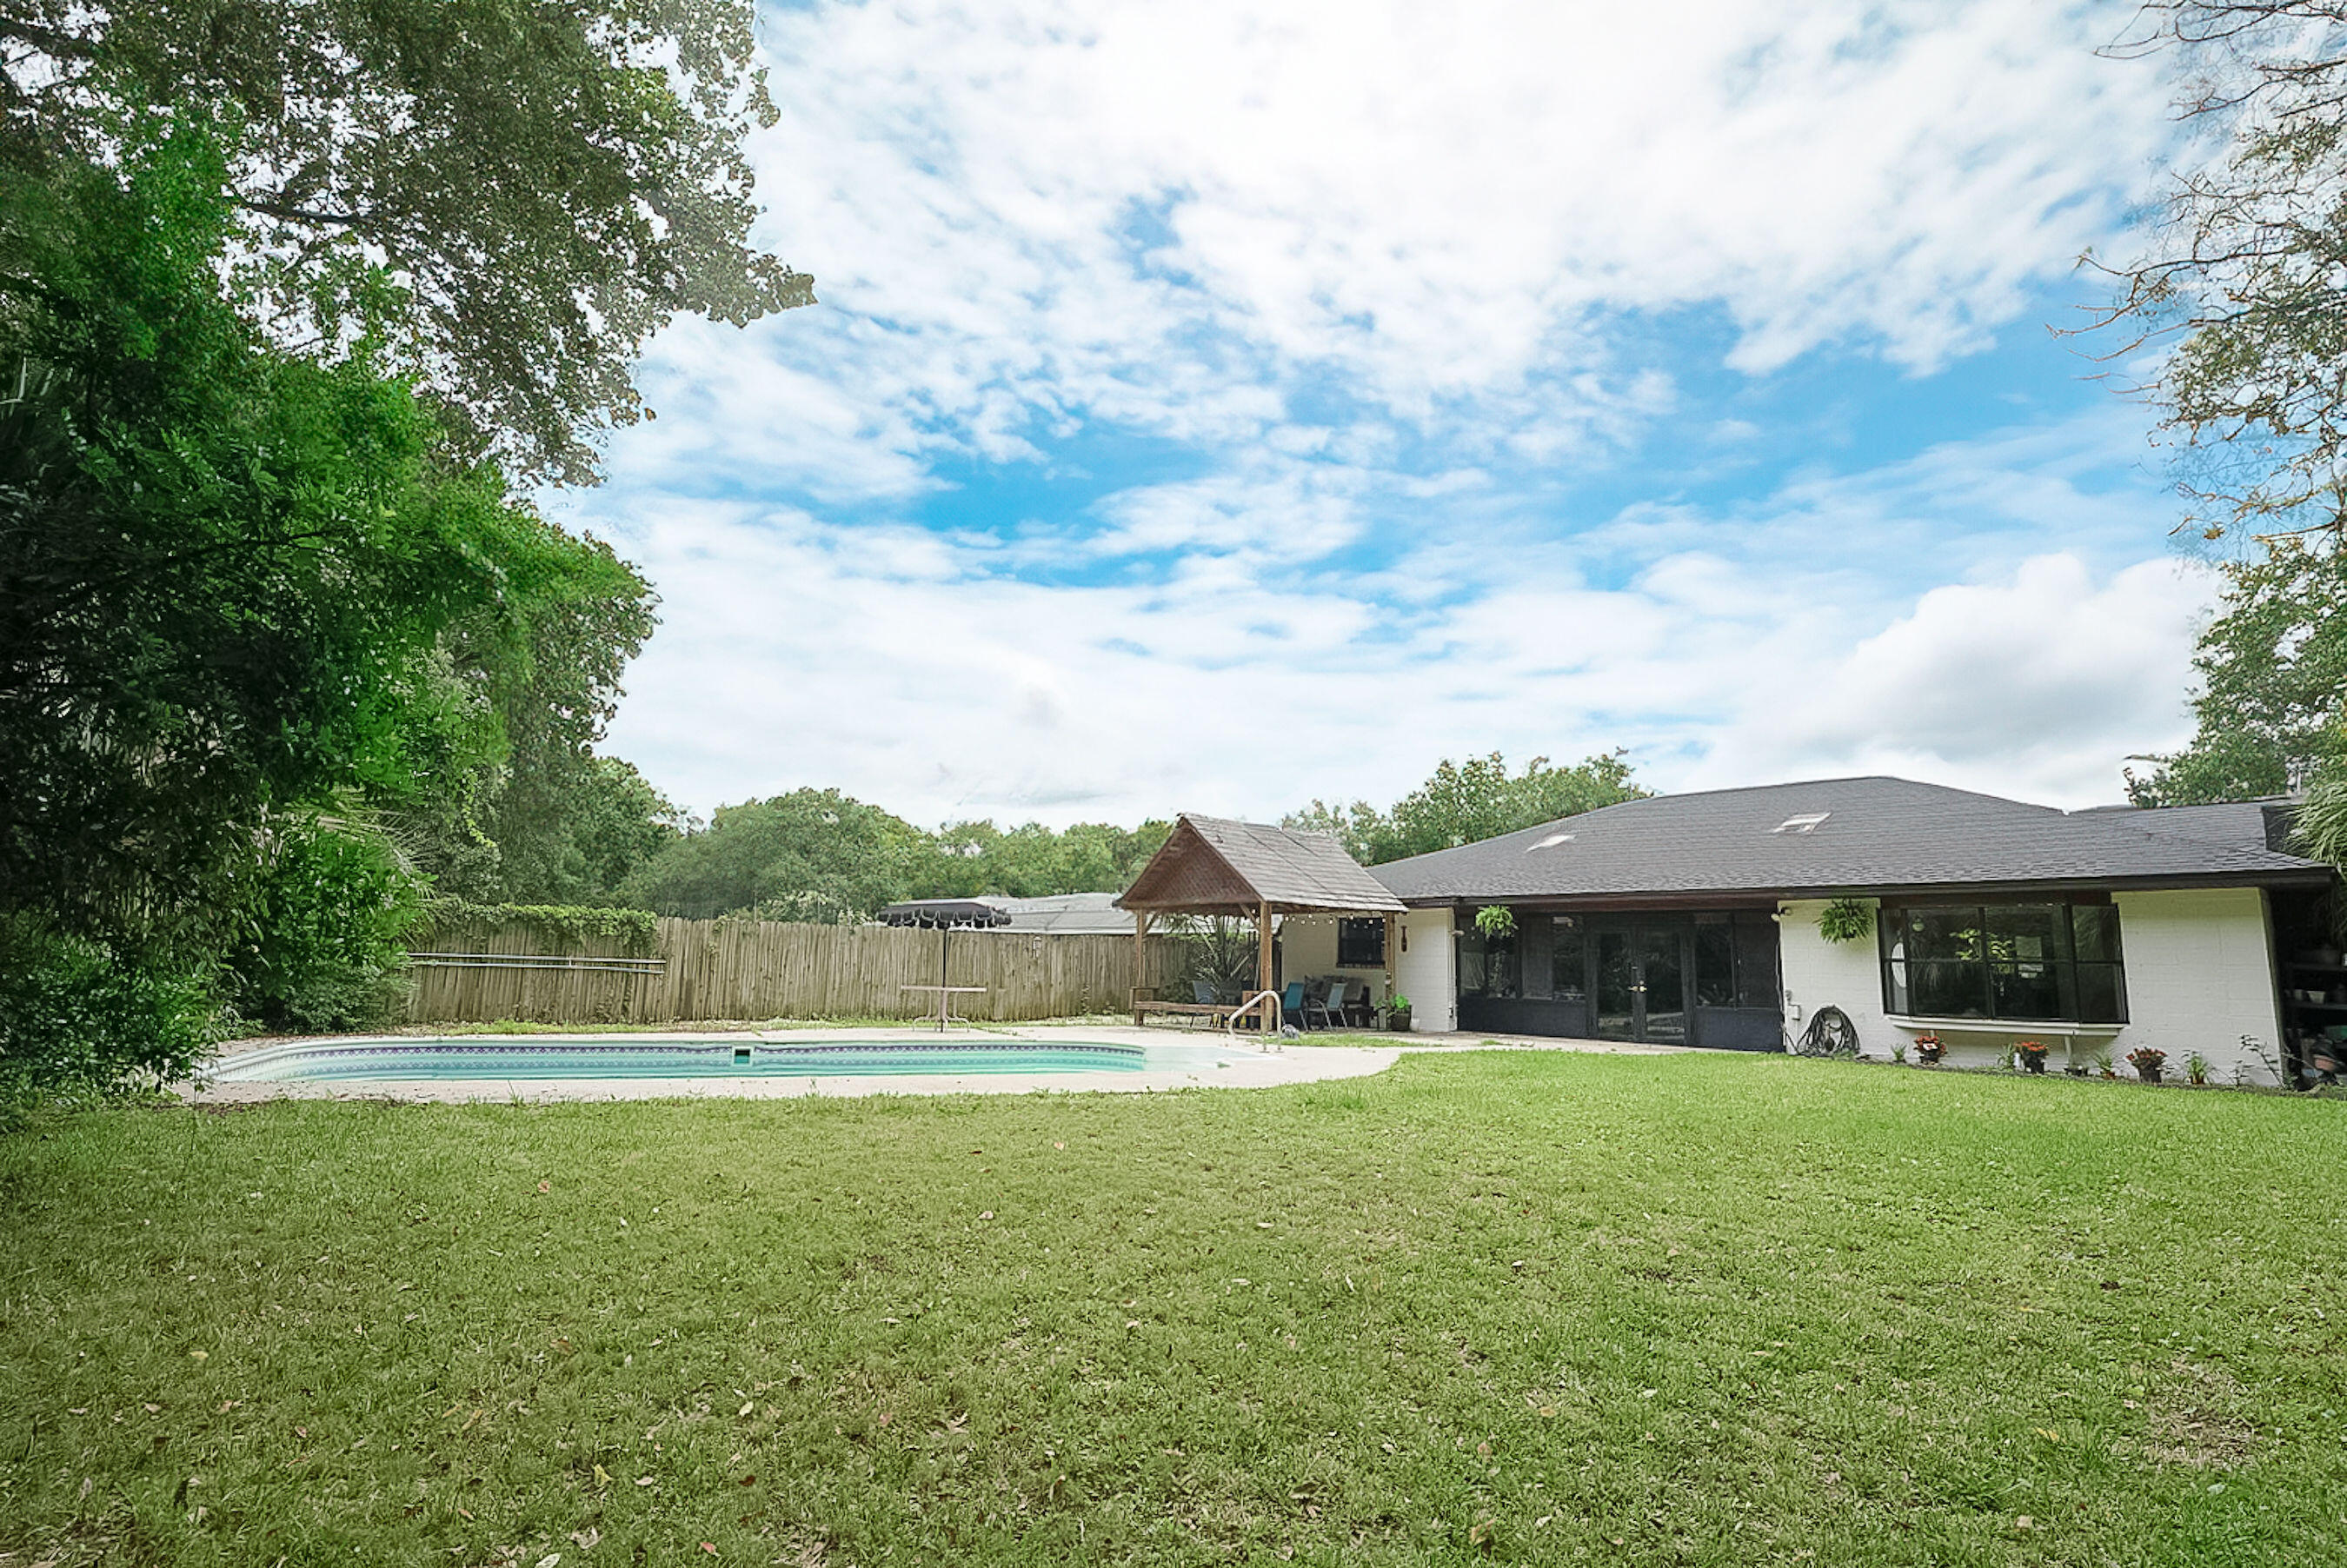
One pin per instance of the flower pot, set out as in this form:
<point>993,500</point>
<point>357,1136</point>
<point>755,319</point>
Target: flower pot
<point>2149,1074</point>
<point>2030,1063</point>
<point>1397,1020</point>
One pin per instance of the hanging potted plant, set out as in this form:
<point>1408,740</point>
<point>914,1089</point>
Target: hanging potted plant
<point>2030,1054</point>
<point>2147,1062</point>
<point>1846,920</point>
<point>1928,1048</point>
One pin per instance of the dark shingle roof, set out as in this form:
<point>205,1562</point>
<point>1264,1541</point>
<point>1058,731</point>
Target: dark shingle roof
<point>2261,824</point>
<point>1213,862</point>
<point>1876,833</point>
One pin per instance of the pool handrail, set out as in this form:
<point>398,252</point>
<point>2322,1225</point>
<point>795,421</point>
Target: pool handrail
<point>1246,1005</point>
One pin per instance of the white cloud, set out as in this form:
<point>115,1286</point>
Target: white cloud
<point>910,669</point>
<point>1170,218</point>
<point>2036,684</point>
<point>1363,267</point>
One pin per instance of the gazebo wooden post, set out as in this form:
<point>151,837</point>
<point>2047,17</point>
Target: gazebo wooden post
<point>1140,956</point>
<point>1262,957</point>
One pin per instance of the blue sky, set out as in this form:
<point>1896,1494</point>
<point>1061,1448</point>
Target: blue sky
<point>1217,407</point>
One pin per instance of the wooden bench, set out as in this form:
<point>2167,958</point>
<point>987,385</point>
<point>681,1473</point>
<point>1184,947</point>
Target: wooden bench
<point>1216,1015</point>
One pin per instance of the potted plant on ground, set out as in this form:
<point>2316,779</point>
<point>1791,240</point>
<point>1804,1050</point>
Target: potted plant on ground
<point>2030,1054</point>
<point>2147,1062</point>
<point>1394,1011</point>
<point>1928,1048</point>
<point>2103,1064</point>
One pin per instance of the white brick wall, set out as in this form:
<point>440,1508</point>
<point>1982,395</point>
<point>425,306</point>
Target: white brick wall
<point>1307,946</point>
<point>1426,970</point>
<point>2199,975</point>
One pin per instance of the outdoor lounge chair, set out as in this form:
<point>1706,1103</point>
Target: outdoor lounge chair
<point>1329,992</point>
<point>1291,1002</point>
<point>1339,1007</point>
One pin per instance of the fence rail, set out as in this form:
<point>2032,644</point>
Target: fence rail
<point>479,973</point>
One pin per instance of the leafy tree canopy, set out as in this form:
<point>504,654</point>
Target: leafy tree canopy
<point>511,194</point>
<point>226,571</point>
<point>812,854</point>
<point>969,859</point>
<point>2272,666</point>
<point>821,856</point>
<point>1464,803</point>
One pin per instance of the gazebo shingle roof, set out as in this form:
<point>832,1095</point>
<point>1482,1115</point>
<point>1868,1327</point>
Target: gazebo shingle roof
<point>1211,865</point>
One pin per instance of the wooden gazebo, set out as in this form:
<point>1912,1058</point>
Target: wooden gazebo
<point>1211,866</point>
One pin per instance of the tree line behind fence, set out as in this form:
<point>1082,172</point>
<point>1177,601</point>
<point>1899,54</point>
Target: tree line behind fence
<point>480,972</point>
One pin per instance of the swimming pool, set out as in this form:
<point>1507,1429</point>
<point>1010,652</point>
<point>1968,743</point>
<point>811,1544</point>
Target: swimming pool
<point>438,1058</point>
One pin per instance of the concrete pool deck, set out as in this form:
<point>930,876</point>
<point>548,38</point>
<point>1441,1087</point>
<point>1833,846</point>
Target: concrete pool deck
<point>1301,1062</point>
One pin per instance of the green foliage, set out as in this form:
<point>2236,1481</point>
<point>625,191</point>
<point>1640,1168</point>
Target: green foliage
<point>1465,803</point>
<point>80,1017</point>
<point>1496,921</point>
<point>544,820</point>
<point>558,926</point>
<point>823,856</point>
<point>329,923</point>
<point>967,859</point>
<point>515,194</point>
<point>1218,949</point>
<point>2272,665</point>
<point>223,569</point>
<point>844,857</point>
<point>1846,920</point>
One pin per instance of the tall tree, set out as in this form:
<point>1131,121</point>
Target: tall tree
<point>222,571</point>
<point>811,855</point>
<point>512,194</point>
<point>2243,275</point>
<point>1462,802</point>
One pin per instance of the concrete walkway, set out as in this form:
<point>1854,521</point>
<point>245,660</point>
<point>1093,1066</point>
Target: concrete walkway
<point>1227,1064</point>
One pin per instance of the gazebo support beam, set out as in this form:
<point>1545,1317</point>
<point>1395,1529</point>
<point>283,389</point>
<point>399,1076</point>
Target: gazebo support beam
<point>1140,951</point>
<point>1262,957</point>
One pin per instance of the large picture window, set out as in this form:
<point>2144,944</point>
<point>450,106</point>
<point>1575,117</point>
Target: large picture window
<point>2028,963</point>
<point>1360,944</point>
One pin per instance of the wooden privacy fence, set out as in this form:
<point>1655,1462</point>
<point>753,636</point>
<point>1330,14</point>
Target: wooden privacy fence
<point>478,973</point>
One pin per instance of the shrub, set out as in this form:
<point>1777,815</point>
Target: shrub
<point>325,946</point>
<point>80,1020</point>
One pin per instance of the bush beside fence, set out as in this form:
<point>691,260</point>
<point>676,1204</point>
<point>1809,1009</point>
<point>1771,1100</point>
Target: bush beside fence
<point>483,972</point>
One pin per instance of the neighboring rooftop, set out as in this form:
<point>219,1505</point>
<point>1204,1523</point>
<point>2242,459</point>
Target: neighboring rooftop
<point>1210,865</point>
<point>1060,915</point>
<point>1847,835</point>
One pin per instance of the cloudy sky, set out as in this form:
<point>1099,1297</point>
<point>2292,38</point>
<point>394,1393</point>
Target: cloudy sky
<point>1214,406</point>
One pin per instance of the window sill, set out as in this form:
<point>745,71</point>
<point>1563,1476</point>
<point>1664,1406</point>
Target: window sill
<point>2019,1027</point>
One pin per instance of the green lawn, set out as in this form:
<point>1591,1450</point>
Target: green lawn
<point>1707,1309</point>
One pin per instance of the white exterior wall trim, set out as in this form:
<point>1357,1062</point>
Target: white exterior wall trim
<point>2199,978</point>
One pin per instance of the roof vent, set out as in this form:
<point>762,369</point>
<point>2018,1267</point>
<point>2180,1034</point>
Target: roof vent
<point>1551,841</point>
<point>1804,823</point>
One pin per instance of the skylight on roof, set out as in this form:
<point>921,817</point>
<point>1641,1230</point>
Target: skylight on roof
<point>1551,841</point>
<point>1804,823</point>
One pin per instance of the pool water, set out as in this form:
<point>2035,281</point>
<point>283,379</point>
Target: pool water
<point>475,1058</point>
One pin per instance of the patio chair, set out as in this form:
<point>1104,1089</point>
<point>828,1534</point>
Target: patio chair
<point>1341,1006</point>
<point>1291,1003</point>
<point>1329,1001</point>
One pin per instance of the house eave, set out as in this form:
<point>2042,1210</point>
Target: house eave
<point>1762,897</point>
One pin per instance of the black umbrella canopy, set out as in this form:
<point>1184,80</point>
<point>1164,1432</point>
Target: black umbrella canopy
<point>945,914</point>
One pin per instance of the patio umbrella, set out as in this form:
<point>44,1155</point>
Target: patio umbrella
<point>946,916</point>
